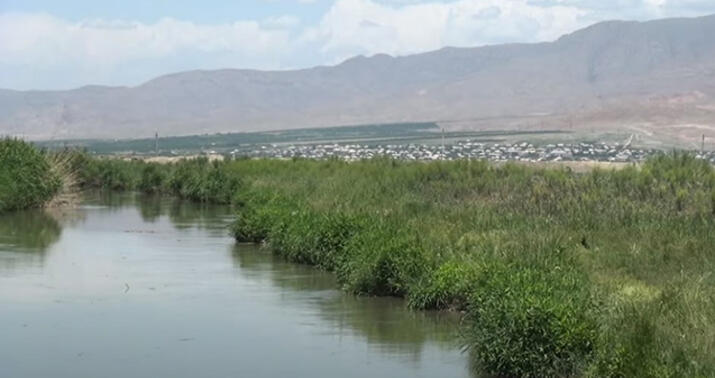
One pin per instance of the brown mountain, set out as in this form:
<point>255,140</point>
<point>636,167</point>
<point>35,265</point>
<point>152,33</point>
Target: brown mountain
<point>653,78</point>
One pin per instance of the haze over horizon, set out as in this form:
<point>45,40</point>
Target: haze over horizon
<point>46,45</point>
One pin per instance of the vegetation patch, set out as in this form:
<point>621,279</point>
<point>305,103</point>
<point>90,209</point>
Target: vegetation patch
<point>195,179</point>
<point>26,176</point>
<point>447,287</point>
<point>526,322</point>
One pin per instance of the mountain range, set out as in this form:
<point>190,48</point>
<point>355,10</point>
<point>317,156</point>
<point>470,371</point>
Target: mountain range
<point>655,79</point>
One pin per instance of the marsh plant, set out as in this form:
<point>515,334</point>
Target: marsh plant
<point>27,178</point>
<point>195,179</point>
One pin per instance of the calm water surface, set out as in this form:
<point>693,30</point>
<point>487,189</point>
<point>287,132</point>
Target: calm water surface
<point>136,286</point>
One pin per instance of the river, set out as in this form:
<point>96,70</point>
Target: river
<point>127,285</point>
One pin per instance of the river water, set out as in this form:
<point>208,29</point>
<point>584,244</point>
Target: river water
<point>127,285</point>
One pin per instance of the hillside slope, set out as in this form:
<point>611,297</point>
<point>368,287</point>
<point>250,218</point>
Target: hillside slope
<point>655,78</point>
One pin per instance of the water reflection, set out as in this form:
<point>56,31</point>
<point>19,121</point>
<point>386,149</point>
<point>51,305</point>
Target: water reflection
<point>25,237</point>
<point>383,322</point>
<point>181,214</point>
<point>31,231</point>
<point>185,214</point>
<point>114,201</point>
<point>150,207</point>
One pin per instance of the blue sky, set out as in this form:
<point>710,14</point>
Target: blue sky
<point>64,44</point>
<point>148,11</point>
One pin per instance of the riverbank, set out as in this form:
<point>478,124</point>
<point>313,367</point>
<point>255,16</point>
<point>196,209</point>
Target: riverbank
<point>27,177</point>
<point>602,273</point>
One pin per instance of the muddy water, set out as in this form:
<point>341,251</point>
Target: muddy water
<point>136,286</point>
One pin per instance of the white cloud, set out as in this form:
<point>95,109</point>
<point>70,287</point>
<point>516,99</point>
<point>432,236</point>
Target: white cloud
<point>281,22</point>
<point>366,26</point>
<point>40,39</point>
<point>44,51</point>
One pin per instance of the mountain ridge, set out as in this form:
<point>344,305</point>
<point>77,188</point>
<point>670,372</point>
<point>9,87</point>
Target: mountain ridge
<point>613,75</point>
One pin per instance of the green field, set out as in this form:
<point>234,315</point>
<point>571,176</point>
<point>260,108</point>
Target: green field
<point>604,273</point>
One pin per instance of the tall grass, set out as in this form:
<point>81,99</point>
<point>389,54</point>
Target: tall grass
<point>605,273</point>
<point>195,179</point>
<point>26,176</point>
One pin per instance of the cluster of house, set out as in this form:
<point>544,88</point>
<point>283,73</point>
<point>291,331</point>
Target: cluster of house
<point>462,150</point>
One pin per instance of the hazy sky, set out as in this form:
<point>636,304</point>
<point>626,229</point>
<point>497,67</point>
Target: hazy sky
<point>50,44</point>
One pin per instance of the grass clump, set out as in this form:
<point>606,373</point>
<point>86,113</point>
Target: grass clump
<point>202,180</point>
<point>658,333</point>
<point>26,176</point>
<point>447,287</point>
<point>306,237</point>
<point>152,179</point>
<point>110,174</point>
<point>383,259</point>
<point>258,212</point>
<point>526,322</point>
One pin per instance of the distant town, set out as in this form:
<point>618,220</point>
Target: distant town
<point>526,152</point>
<point>403,141</point>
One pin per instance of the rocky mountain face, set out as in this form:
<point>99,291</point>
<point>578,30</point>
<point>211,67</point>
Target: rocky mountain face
<point>655,77</point>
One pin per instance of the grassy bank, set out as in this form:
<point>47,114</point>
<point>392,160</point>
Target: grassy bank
<point>27,177</point>
<point>605,273</point>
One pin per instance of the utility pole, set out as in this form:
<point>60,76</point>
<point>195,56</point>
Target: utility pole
<point>443,151</point>
<point>702,145</point>
<point>156,143</point>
